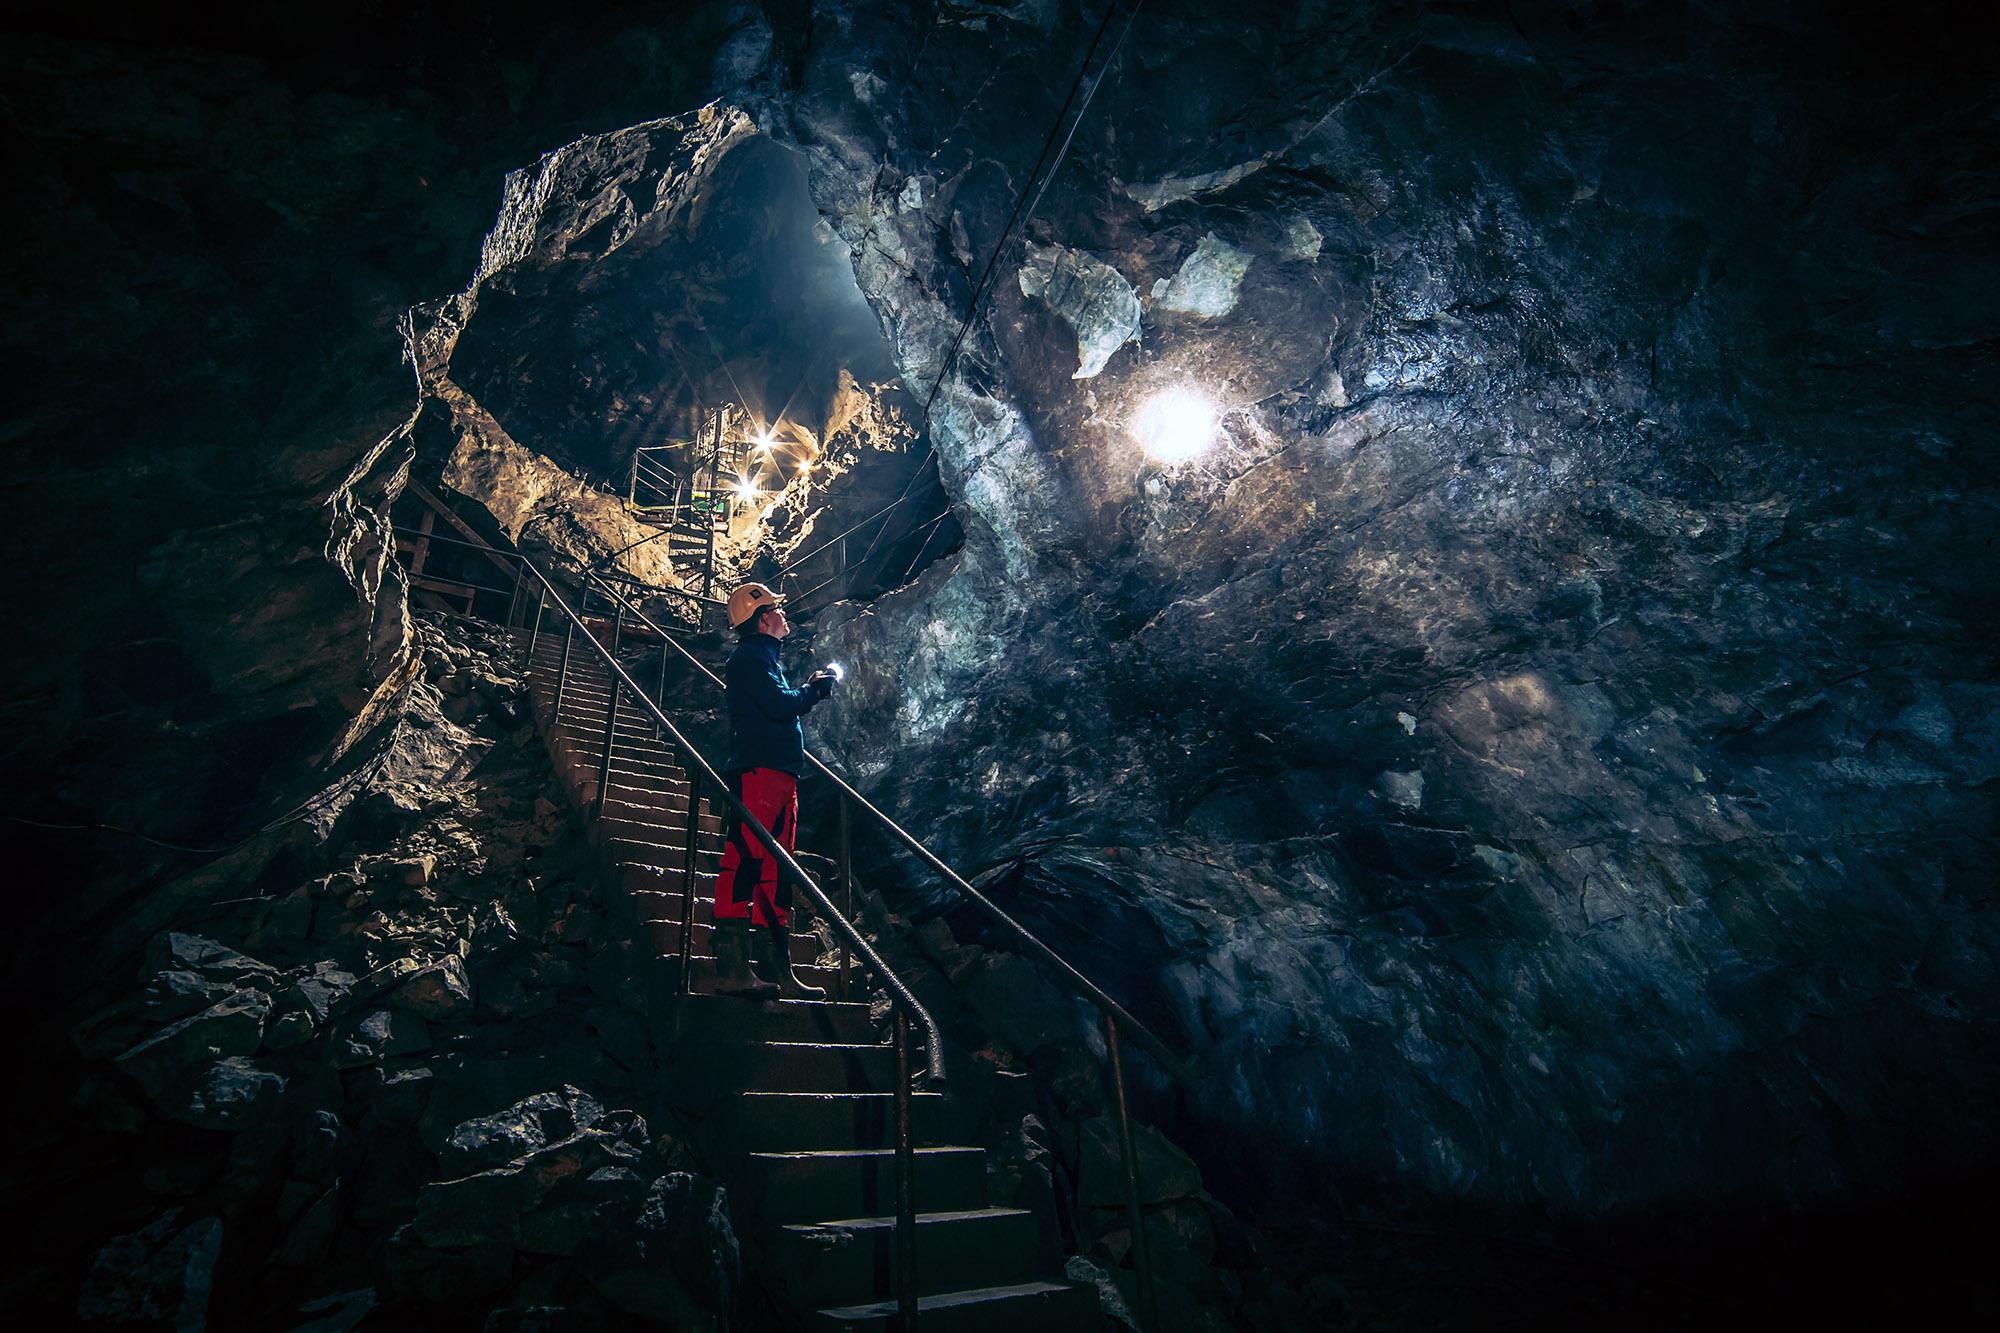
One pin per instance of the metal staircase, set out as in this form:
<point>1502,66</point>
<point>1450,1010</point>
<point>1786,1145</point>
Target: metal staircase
<point>688,489</point>
<point>860,1203</point>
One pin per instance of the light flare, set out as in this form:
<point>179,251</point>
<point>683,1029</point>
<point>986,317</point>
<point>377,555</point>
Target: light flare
<point>1176,425</point>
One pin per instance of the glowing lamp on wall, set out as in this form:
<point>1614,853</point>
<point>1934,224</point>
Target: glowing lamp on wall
<point>1176,426</point>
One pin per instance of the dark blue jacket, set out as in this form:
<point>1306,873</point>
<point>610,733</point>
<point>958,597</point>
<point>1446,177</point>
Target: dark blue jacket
<point>764,710</point>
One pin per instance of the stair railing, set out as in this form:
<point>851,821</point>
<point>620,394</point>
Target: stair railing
<point>1117,1022</point>
<point>906,1010</point>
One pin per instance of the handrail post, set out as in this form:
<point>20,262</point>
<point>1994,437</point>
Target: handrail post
<point>846,893</point>
<point>1149,1306</point>
<point>660,694</point>
<point>899,993</point>
<point>520,573</point>
<point>714,489</point>
<point>688,881</point>
<point>906,1203</point>
<point>610,714</point>
<point>534,630</point>
<point>562,669</point>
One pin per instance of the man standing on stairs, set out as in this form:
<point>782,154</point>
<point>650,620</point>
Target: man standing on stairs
<point>767,752</point>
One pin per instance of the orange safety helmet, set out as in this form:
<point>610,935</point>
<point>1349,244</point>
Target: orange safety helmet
<point>747,601</point>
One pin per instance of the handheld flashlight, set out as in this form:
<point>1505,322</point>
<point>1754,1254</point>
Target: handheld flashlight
<point>836,670</point>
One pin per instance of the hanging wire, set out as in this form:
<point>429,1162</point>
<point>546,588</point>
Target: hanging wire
<point>1024,209</point>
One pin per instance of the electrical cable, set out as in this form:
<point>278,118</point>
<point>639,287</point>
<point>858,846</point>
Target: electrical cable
<point>1018,217</point>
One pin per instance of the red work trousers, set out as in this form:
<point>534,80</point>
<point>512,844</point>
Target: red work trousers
<point>749,885</point>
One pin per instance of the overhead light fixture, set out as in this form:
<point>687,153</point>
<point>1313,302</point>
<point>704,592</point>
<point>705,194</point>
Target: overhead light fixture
<point>1176,425</point>
<point>746,489</point>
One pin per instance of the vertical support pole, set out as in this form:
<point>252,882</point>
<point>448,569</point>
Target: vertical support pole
<point>514,602</point>
<point>714,508</point>
<point>846,896</point>
<point>1149,1306</point>
<point>562,672</point>
<point>660,692</point>
<point>534,630</point>
<point>610,712</point>
<point>688,881</point>
<point>906,1203</point>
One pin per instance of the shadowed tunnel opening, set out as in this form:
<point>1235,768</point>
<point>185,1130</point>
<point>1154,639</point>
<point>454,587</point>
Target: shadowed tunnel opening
<point>653,312</point>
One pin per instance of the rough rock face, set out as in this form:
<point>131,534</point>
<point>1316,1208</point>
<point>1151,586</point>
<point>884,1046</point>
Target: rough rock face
<point>1545,750</point>
<point>399,1084</point>
<point>232,221</point>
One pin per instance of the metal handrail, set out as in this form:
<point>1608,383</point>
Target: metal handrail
<point>503,554</point>
<point>904,1006</point>
<point>613,576</point>
<point>1113,1013</point>
<point>899,994</point>
<point>1104,1003</point>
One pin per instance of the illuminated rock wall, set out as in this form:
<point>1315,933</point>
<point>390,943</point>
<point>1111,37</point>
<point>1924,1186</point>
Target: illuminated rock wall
<point>1545,750</point>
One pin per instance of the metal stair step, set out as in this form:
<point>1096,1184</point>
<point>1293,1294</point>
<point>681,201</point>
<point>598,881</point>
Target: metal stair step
<point>667,881</point>
<point>704,973</point>
<point>644,805</point>
<point>653,844</point>
<point>775,1121</point>
<point>796,1066</point>
<point>852,1259</point>
<point>582,766</point>
<point>858,1182</point>
<point>1045,1307</point>
<point>590,740</point>
<point>582,708</point>
<point>588,693</point>
<point>725,1017</point>
<point>666,936</point>
<point>582,789</point>
<point>647,786</point>
<point>661,827</point>
<point>638,851</point>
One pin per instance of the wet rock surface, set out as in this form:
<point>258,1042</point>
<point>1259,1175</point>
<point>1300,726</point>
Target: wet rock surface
<point>1514,759</point>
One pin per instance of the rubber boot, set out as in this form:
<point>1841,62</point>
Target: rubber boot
<point>774,959</point>
<point>733,975</point>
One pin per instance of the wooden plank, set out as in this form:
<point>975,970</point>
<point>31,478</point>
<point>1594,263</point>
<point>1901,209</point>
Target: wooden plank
<point>465,530</point>
<point>422,549</point>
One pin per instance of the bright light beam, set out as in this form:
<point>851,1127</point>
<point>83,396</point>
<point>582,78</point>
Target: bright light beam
<point>746,489</point>
<point>1176,426</point>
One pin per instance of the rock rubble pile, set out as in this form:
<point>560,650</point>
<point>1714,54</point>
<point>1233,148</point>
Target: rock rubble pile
<point>403,1084</point>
